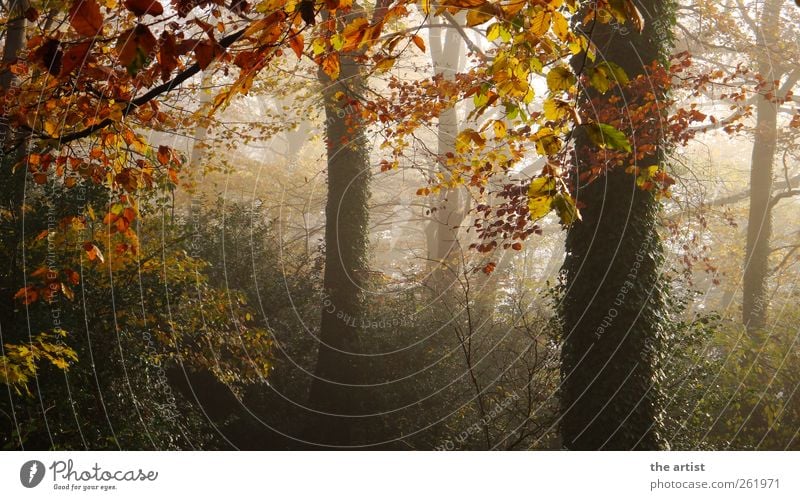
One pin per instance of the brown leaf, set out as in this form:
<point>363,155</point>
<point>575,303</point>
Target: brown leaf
<point>49,56</point>
<point>167,55</point>
<point>85,17</point>
<point>74,58</point>
<point>142,7</point>
<point>135,48</point>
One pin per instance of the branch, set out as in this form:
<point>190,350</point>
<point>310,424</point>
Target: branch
<point>464,35</point>
<point>146,97</point>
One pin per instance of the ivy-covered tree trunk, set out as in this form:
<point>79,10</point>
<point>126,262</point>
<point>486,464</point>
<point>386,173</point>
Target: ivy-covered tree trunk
<point>12,182</point>
<point>339,366</point>
<point>614,301</point>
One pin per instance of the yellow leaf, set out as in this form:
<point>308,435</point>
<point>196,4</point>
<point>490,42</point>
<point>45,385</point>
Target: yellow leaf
<point>385,64</point>
<point>50,128</point>
<point>555,109</point>
<point>499,129</point>
<point>540,197</point>
<point>493,32</point>
<point>426,6</point>
<point>476,17</point>
<point>560,26</point>
<point>560,78</point>
<point>541,22</point>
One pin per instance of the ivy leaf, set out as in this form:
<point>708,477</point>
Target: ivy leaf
<point>607,137</point>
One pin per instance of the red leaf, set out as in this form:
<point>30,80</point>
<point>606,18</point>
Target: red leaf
<point>142,7</point>
<point>85,17</point>
<point>206,51</point>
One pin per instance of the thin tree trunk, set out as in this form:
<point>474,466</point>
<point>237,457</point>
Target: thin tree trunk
<point>755,301</point>
<point>451,206</point>
<point>612,315</point>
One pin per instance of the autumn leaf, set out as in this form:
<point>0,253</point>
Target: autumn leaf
<point>85,17</point>
<point>135,46</point>
<point>540,197</point>
<point>560,78</point>
<point>74,58</point>
<point>164,155</point>
<point>541,22</point>
<point>206,51</point>
<point>419,42</point>
<point>167,55</point>
<point>144,7</point>
<point>92,252</point>
<point>499,129</point>
<point>330,65</point>
<point>297,45</point>
<point>27,295</point>
<point>49,56</point>
<point>566,209</point>
<point>607,137</point>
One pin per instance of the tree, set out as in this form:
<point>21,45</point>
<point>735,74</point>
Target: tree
<point>613,307</point>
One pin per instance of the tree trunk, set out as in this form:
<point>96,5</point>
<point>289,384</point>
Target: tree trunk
<point>339,366</point>
<point>614,302</point>
<point>12,183</point>
<point>451,207</point>
<point>755,302</point>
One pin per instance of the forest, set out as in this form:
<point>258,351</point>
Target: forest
<point>399,225</point>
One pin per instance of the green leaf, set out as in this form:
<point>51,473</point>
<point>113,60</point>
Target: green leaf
<point>566,209</point>
<point>607,137</point>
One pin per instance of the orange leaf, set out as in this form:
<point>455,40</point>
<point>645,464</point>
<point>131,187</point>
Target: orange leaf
<point>296,43</point>
<point>419,42</point>
<point>85,17</point>
<point>93,252</point>
<point>27,294</point>
<point>330,65</point>
<point>163,155</point>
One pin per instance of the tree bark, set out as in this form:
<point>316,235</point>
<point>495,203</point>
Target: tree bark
<point>755,301</point>
<point>338,372</point>
<point>451,206</point>
<point>12,183</point>
<point>613,299</point>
